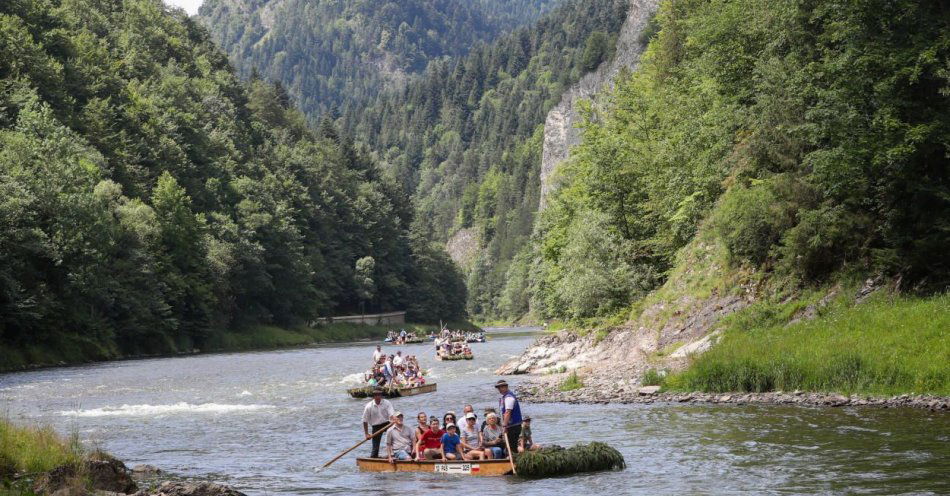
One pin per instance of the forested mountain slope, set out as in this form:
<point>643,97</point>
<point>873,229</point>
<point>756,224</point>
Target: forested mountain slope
<point>466,137</point>
<point>763,205</point>
<point>333,54</point>
<point>809,140</point>
<point>150,200</point>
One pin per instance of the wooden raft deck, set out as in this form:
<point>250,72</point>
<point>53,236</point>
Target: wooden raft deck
<point>477,468</point>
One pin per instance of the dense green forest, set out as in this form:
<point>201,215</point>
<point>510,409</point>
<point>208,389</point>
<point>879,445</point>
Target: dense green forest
<point>151,201</point>
<point>466,137</point>
<point>332,55</point>
<point>810,139</point>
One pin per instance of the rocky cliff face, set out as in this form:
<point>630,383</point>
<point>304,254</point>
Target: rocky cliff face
<point>560,127</point>
<point>678,320</point>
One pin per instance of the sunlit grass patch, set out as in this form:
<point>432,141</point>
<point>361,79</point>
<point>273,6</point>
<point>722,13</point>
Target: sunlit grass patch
<point>35,449</point>
<point>887,345</point>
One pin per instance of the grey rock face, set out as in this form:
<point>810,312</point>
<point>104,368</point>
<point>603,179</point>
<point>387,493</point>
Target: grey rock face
<point>560,126</point>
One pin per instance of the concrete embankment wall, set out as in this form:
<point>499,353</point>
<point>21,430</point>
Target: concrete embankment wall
<point>367,319</point>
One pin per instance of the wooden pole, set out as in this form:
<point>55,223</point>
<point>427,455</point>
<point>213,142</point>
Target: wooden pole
<point>511,456</point>
<point>357,445</point>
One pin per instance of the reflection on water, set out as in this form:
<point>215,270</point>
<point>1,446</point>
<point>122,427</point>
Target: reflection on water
<point>263,421</point>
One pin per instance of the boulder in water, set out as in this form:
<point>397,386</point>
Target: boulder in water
<point>109,474</point>
<point>144,470</point>
<point>191,489</point>
<point>103,472</point>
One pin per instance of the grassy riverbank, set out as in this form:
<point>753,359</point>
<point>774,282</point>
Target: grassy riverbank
<point>890,344</point>
<point>68,350</point>
<point>30,450</point>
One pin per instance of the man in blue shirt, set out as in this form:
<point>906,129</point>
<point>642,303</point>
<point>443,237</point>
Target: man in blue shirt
<point>510,413</point>
<point>451,443</point>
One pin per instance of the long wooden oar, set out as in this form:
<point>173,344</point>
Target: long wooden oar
<point>511,456</point>
<point>356,446</point>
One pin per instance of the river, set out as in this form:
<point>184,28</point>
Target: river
<point>262,421</point>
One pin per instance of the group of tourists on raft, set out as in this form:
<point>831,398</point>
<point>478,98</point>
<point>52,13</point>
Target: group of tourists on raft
<point>394,370</point>
<point>459,336</point>
<point>447,348</point>
<point>432,439</point>
<point>402,337</point>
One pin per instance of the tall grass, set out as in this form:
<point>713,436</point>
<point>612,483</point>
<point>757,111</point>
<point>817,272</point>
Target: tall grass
<point>571,383</point>
<point>885,346</point>
<point>35,449</point>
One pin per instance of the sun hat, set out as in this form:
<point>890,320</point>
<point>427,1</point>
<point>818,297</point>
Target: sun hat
<point>397,414</point>
<point>471,415</point>
<point>500,383</point>
<point>492,415</point>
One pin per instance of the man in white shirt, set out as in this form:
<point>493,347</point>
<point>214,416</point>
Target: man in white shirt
<point>398,360</point>
<point>377,414</point>
<point>378,353</point>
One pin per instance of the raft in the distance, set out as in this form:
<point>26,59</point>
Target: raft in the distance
<point>455,357</point>
<point>475,467</point>
<point>396,392</point>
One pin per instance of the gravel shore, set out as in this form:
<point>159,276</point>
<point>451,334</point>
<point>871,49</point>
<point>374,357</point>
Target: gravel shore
<point>547,392</point>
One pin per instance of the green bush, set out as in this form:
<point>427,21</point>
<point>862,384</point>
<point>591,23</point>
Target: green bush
<point>822,240</point>
<point>571,383</point>
<point>653,377</point>
<point>750,221</point>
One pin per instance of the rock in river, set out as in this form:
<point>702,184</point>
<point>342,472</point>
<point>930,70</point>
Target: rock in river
<point>191,489</point>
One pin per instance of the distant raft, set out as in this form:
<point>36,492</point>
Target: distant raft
<point>554,460</point>
<point>395,392</point>
<point>460,356</point>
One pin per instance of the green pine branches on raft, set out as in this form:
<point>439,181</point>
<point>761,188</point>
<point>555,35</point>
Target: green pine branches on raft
<point>555,460</point>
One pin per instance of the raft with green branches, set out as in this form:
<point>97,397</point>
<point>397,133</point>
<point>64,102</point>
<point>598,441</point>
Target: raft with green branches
<point>555,460</point>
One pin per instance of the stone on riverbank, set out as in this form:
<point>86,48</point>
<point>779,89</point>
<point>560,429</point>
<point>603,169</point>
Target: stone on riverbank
<point>545,390</point>
<point>191,489</point>
<point>146,471</point>
<point>104,473</point>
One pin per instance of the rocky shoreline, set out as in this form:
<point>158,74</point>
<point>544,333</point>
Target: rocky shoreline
<point>100,474</point>
<point>549,393</point>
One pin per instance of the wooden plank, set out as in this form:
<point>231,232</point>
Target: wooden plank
<point>476,468</point>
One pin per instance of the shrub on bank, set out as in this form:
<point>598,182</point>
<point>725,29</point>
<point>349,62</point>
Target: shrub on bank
<point>571,383</point>
<point>885,346</point>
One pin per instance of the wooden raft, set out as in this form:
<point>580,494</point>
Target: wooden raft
<point>366,392</point>
<point>476,467</point>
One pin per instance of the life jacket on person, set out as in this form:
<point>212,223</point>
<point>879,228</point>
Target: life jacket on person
<point>515,412</point>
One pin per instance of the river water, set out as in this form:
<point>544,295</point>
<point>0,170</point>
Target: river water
<point>262,421</point>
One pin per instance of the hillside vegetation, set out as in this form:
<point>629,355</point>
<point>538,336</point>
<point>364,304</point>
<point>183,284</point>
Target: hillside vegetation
<point>466,137</point>
<point>336,55</point>
<point>150,201</point>
<point>809,139</point>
